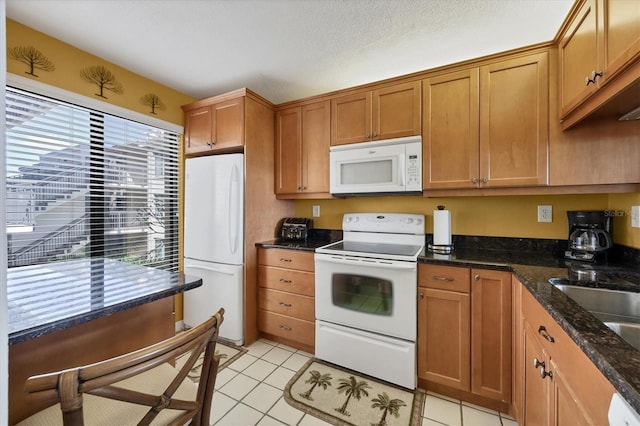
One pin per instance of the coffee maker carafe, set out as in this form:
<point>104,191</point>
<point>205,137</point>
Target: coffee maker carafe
<point>589,235</point>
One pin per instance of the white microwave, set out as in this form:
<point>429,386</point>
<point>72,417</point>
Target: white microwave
<point>391,166</point>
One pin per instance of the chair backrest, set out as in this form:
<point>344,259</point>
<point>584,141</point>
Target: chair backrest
<point>116,379</point>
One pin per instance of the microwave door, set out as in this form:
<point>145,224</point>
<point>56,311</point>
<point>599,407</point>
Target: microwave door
<point>379,169</point>
<point>368,176</point>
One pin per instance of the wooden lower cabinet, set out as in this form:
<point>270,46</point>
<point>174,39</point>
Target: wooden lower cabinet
<point>444,324</point>
<point>82,344</point>
<point>286,297</point>
<point>491,334</point>
<point>464,333</point>
<point>557,382</point>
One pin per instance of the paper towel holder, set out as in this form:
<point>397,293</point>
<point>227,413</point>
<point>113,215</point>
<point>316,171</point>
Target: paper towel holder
<point>440,248</point>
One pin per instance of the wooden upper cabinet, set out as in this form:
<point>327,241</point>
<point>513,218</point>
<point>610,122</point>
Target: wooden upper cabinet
<point>488,126</point>
<point>302,151</point>
<point>288,150</point>
<point>228,124</point>
<point>351,119</point>
<point>621,34</point>
<point>218,126</point>
<point>396,111</point>
<point>316,138</point>
<point>197,130</point>
<point>514,122</point>
<point>385,113</point>
<point>601,42</point>
<point>450,132</point>
<point>579,57</point>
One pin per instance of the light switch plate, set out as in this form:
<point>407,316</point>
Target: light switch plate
<point>316,211</point>
<point>635,216</point>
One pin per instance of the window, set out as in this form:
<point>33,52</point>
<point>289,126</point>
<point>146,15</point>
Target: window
<point>83,183</point>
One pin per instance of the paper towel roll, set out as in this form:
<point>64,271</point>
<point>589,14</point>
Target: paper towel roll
<point>441,227</point>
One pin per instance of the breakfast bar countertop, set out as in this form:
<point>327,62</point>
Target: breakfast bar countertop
<point>53,296</point>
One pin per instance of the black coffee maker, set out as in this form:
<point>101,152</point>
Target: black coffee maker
<point>590,235</point>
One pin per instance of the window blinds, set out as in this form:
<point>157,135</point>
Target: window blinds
<point>82,183</point>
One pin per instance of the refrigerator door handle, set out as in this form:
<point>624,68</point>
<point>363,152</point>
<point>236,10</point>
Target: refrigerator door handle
<point>233,208</point>
<point>208,268</point>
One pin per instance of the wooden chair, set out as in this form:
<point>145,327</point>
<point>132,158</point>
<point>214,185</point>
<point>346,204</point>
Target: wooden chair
<point>141,387</point>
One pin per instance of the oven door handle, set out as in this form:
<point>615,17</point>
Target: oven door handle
<point>387,264</point>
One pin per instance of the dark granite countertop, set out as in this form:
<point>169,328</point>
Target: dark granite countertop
<point>54,296</point>
<point>614,357</point>
<point>317,238</point>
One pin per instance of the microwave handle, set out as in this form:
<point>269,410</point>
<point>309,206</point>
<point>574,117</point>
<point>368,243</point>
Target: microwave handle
<point>402,170</point>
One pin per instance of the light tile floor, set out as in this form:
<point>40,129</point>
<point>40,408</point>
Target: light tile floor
<point>250,392</point>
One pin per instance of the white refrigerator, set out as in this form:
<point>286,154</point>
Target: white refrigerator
<point>213,241</point>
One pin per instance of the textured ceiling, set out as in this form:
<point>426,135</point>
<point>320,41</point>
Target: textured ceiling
<point>288,49</point>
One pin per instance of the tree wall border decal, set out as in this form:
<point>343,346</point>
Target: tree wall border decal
<point>103,78</point>
<point>153,101</point>
<point>32,57</point>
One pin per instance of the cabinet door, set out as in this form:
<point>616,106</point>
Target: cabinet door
<point>396,111</point>
<point>288,153</point>
<point>351,119</point>
<point>536,389</point>
<point>443,337</point>
<point>316,121</point>
<point>197,130</point>
<point>579,57</point>
<point>565,407</point>
<point>228,123</point>
<point>491,334</point>
<point>622,34</point>
<point>450,135</point>
<point>514,121</point>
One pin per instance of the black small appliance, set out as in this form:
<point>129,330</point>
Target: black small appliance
<point>296,228</point>
<point>590,235</point>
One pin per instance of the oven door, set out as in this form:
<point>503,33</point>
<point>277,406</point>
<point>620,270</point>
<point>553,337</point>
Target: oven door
<point>369,294</point>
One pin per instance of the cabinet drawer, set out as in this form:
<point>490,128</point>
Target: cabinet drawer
<point>290,259</point>
<point>298,282</point>
<point>293,305</point>
<point>543,325</point>
<point>451,278</point>
<point>290,328</point>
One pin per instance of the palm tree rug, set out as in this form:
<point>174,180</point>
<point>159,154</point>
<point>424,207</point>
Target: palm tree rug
<point>227,352</point>
<point>344,397</point>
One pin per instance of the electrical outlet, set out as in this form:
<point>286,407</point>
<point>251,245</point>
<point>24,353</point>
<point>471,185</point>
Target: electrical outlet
<point>545,214</point>
<point>316,211</point>
<point>635,216</point>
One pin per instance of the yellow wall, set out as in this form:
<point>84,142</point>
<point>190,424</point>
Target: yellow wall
<point>68,62</point>
<point>499,216</point>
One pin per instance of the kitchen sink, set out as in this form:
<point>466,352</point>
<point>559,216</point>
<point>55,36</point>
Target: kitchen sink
<point>619,310</point>
<point>628,331</point>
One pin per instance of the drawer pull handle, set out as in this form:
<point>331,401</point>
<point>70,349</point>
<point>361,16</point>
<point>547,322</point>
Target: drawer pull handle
<point>543,332</point>
<point>537,363</point>
<point>285,328</point>
<point>282,280</point>
<point>282,259</point>
<point>439,278</point>
<point>287,305</point>
<point>543,372</point>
